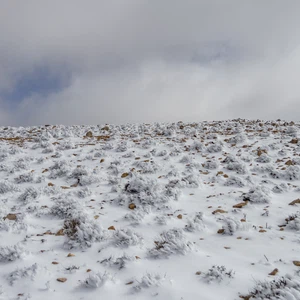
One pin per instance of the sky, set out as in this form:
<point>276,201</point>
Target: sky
<point>127,61</point>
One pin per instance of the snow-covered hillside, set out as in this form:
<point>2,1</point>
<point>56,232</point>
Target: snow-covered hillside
<point>177,211</point>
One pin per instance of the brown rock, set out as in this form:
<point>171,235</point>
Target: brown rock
<point>262,230</point>
<point>179,216</point>
<point>88,270</point>
<point>124,175</point>
<point>70,255</point>
<point>296,263</point>
<point>219,211</point>
<point>240,205</point>
<point>198,273</point>
<point>46,170</point>
<point>89,134</point>
<point>274,272</point>
<point>61,279</point>
<point>111,228</point>
<point>220,231</point>
<point>50,184</point>
<point>131,206</point>
<point>297,201</point>
<point>65,187</point>
<point>55,263</point>
<point>11,217</point>
<point>60,232</point>
<point>102,160</point>
<point>294,141</point>
<point>289,163</point>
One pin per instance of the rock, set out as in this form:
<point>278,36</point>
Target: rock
<point>124,175</point>
<point>50,184</point>
<point>240,205</point>
<point>106,128</point>
<point>297,201</point>
<point>179,216</point>
<point>274,272</point>
<point>101,160</point>
<point>61,279</point>
<point>88,270</point>
<point>262,230</point>
<point>89,134</point>
<point>96,217</point>
<point>70,255</point>
<point>220,211</point>
<point>111,228</point>
<point>220,231</point>
<point>55,263</point>
<point>289,163</point>
<point>296,263</point>
<point>130,282</point>
<point>294,141</point>
<point>131,206</point>
<point>60,232</point>
<point>198,273</point>
<point>65,187</point>
<point>11,217</point>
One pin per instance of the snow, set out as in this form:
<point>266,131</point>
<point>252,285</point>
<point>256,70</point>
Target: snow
<point>140,211</point>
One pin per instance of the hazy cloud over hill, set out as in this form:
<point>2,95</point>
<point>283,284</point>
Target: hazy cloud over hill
<point>89,62</point>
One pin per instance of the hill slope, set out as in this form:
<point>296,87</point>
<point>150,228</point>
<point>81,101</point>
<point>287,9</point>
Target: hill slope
<point>166,211</point>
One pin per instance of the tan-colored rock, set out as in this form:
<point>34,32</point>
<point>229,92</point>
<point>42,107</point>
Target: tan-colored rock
<point>55,263</point>
<point>219,211</point>
<point>111,228</point>
<point>60,232</point>
<point>11,217</point>
<point>289,163</point>
<point>296,263</point>
<point>274,272</point>
<point>89,134</point>
<point>220,231</point>
<point>297,201</point>
<point>101,160</point>
<point>70,255</point>
<point>179,216</point>
<point>198,273</point>
<point>63,279</point>
<point>88,270</point>
<point>65,187</point>
<point>240,205</point>
<point>124,175</point>
<point>131,206</point>
<point>50,184</point>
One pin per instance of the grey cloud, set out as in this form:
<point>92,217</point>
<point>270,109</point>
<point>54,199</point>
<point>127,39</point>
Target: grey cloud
<point>143,61</point>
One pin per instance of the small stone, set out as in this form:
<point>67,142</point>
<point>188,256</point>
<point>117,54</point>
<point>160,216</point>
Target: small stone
<point>262,230</point>
<point>60,232</point>
<point>89,134</point>
<point>88,270</point>
<point>240,205</point>
<point>198,273</point>
<point>124,175</point>
<point>137,257</point>
<point>102,160</point>
<point>11,217</point>
<point>220,231</point>
<point>297,201</point>
<point>55,263</point>
<point>296,263</point>
<point>274,272</point>
<point>111,228</point>
<point>50,184</point>
<point>70,255</point>
<point>61,279</point>
<point>179,216</point>
<point>96,217</point>
<point>130,282</point>
<point>220,211</point>
<point>131,206</point>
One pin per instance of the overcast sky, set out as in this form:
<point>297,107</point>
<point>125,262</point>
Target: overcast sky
<point>119,61</point>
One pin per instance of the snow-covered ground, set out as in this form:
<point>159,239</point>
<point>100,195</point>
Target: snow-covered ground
<point>164,211</point>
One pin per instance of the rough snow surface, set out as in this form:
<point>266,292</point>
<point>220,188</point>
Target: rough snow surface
<point>165,211</point>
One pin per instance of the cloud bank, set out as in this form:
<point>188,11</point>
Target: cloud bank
<point>92,62</point>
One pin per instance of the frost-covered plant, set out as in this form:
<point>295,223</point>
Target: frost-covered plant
<point>263,158</point>
<point>186,159</point>
<point>210,164</point>
<point>147,166</point>
<point>239,138</point>
<point>196,145</point>
<point>195,223</point>
<point>213,148</point>
<point>170,242</point>
<point>135,216</point>
<point>11,253</point>
<point>293,221</point>
<point>84,192</point>
<point>23,273</point>
<point>285,287</point>
<point>17,226</point>
<point>280,188</point>
<point>292,173</point>
<point>257,194</point>
<point>231,225</point>
<point>117,262</point>
<point>81,232</point>
<point>29,195</point>
<point>60,168</point>
<point>65,207</point>
<point>127,237</point>
<point>234,181</point>
<point>25,177</point>
<point>149,280</point>
<point>122,147</point>
<point>238,167</point>
<point>218,274</point>
<point>97,280</point>
<point>6,187</point>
